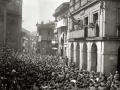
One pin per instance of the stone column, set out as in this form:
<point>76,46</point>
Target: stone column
<point>79,59</point>
<point>99,60</point>
<point>69,57</point>
<point>89,61</point>
<point>75,55</point>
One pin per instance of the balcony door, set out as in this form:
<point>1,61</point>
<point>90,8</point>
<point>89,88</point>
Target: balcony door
<point>85,26</point>
<point>96,26</point>
<point>95,17</point>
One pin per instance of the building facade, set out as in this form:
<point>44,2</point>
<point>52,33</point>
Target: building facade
<point>3,16</point>
<point>61,27</point>
<point>45,35</point>
<point>25,41</point>
<point>13,23</point>
<point>33,42</point>
<point>93,39</point>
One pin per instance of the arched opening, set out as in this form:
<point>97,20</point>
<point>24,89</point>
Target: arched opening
<point>72,52</point>
<point>84,61</point>
<point>118,61</point>
<point>94,57</point>
<point>77,55</point>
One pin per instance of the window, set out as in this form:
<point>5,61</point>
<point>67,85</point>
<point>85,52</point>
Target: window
<point>85,26</point>
<point>95,17</point>
<point>86,21</point>
<point>96,26</point>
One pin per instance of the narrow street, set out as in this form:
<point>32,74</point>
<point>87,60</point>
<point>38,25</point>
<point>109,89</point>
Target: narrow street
<point>59,44</point>
<point>20,71</point>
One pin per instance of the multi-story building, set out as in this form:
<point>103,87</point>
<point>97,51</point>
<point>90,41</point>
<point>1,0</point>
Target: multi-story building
<point>33,42</point>
<point>45,34</point>
<point>93,38</point>
<point>13,23</point>
<point>60,31</point>
<point>3,16</point>
<point>25,40</point>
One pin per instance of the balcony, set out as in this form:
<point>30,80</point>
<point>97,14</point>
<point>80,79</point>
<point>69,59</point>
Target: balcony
<point>61,23</point>
<point>55,31</point>
<point>77,34</point>
<point>91,32</point>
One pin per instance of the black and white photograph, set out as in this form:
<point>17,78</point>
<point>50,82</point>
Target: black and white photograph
<point>59,44</point>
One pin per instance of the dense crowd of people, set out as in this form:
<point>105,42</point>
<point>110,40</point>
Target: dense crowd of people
<point>19,71</point>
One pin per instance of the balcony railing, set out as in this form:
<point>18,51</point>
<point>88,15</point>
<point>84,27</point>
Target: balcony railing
<point>84,33</point>
<point>61,23</point>
<point>91,32</point>
<point>76,34</point>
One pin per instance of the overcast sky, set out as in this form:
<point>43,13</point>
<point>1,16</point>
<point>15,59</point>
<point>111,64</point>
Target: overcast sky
<point>38,10</point>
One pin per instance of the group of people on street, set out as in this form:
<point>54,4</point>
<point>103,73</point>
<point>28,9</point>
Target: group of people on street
<point>19,71</point>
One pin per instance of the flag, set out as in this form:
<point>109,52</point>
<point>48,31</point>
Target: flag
<point>73,19</point>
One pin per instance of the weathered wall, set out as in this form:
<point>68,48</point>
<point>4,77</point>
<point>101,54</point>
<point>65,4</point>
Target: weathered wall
<point>14,20</point>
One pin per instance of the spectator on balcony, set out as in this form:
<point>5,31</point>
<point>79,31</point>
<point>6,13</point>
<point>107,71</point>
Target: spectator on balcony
<point>85,30</point>
<point>96,27</point>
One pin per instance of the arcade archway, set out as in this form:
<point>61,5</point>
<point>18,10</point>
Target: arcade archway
<point>72,52</point>
<point>84,61</point>
<point>77,55</point>
<point>94,57</point>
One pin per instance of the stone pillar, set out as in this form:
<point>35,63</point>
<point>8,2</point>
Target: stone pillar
<point>69,56</point>
<point>75,54</point>
<point>89,61</point>
<point>99,60</point>
<point>79,59</point>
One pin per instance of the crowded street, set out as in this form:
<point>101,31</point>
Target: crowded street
<point>20,71</point>
<point>59,44</point>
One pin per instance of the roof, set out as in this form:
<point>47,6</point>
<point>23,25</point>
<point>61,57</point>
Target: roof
<point>50,25</point>
<point>62,7</point>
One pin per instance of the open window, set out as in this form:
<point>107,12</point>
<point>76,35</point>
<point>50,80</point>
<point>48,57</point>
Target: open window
<point>96,26</point>
<point>85,26</point>
<point>86,21</point>
<point>95,17</point>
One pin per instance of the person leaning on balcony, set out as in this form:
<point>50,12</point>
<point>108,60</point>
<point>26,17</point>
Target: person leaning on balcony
<point>85,30</point>
<point>96,27</point>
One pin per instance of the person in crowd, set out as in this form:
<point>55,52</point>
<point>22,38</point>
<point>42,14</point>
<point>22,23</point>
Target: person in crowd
<point>20,71</point>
